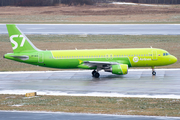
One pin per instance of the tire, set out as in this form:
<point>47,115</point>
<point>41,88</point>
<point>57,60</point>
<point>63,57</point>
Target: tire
<point>93,73</point>
<point>96,75</point>
<point>153,73</point>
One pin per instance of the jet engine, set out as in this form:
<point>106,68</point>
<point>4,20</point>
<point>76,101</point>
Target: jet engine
<point>120,69</point>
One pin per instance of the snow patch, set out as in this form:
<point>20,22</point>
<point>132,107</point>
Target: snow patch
<point>93,94</point>
<point>126,3</point>
<point>18,105</point>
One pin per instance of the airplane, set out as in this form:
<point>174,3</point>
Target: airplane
<point>116,61</point>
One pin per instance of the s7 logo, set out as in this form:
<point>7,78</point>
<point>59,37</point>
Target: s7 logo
<point>15,43</point>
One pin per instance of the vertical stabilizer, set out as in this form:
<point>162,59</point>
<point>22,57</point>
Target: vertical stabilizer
<point>19,42</point>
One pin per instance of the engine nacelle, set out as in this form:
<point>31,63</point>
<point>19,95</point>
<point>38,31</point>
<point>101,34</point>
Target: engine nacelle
<point>120,69</point>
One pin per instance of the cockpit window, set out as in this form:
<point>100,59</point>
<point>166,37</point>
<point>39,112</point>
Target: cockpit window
<point>166,54</point>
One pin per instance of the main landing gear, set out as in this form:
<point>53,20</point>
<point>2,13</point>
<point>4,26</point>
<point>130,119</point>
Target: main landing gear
<point>95,74</point>
<point>153,71</point>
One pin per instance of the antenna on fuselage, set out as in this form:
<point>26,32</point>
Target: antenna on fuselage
<point>151,46</point>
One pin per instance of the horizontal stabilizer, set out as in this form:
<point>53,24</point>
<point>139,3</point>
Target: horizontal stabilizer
<point>21,57</point>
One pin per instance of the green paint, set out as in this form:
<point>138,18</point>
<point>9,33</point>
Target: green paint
<point>116,61</point>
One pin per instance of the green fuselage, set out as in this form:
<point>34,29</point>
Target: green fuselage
<point>68,59</point>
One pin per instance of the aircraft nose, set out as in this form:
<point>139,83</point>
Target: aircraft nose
<point>174,59</point>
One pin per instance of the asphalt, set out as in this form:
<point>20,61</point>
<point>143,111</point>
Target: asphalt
<point>15,115</point>
<point>137,83</point>
<point>121,29</point>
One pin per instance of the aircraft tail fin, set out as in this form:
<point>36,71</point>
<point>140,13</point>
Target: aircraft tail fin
<point>19,42</point>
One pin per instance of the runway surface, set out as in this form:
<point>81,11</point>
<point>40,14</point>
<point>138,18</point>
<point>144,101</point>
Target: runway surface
<point>13,115</point>
<point>121,29</point>
<point>137,83</point>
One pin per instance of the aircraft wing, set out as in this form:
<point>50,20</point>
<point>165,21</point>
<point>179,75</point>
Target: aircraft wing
<point>99,64</point>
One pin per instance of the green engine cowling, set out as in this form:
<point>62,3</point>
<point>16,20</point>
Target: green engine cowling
<point>120,69</point>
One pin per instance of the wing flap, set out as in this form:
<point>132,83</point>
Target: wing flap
<point>97,64</point>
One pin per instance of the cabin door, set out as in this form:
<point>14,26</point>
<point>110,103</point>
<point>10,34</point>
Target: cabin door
<point>40,57</point>
<point>154,55</point>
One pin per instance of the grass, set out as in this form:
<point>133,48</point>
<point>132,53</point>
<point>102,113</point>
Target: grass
<point>97,105</point>
<point>171,43</point>
<point>89,19</point>
<point>5,22</point>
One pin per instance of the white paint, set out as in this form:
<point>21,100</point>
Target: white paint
<point>13,41</point>
<point>135,59</point>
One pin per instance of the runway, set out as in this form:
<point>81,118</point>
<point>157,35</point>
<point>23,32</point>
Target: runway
<point>17,115</point>
<point>121,29</point>
<point>137,83</point>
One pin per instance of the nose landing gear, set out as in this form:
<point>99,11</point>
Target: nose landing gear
<point>153,71</point>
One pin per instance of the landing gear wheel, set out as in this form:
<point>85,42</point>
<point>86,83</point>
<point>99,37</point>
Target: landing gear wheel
<point>93,72</point>
<point>96,75</point>
<point>153,73</point>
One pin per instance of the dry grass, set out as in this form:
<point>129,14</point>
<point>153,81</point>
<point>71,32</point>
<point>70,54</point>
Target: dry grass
<point>97,105</point>
<point>97,13</point>
<point>64,42</point>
